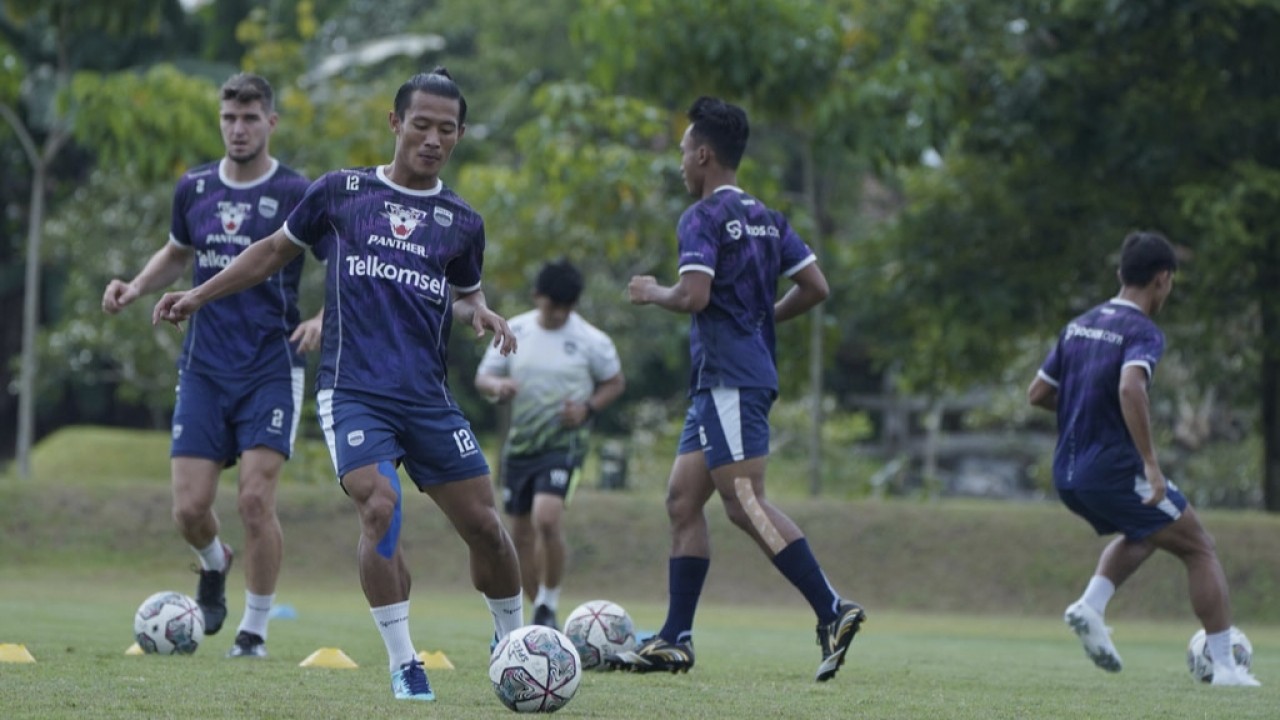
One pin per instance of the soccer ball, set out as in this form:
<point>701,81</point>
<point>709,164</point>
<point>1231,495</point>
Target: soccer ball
<point>1200,663</point>
<point>168,623</point>
<point>599,628</point>
<point>535,669</point>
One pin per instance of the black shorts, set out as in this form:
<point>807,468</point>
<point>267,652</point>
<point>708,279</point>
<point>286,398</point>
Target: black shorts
<point>525,476</point>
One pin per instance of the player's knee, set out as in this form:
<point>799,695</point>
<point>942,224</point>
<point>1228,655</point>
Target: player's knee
<point>189,514</point>
<point>256,507</point>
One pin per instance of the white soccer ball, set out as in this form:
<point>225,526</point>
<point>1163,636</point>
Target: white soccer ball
<point>1200,663</point>
<point>535,669</point>
<point>599,628</point>
<point>168,623</point>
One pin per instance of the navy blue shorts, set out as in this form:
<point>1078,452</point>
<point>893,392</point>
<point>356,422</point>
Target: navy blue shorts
<point>1122,511</point>
<point>220,418</point>
<point>727,424</point>
<point>435,444</point>
<point>525,476</point>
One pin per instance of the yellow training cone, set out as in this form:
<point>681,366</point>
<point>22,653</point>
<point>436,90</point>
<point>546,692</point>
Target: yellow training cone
<point>328,658</point>
<point>10,652</point>
<point>435,660</point>
<point>134,649</point>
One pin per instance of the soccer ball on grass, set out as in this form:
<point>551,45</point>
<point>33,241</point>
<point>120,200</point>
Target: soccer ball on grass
<point>599,628</point>
<point>168,623</point>
<point>535,669</point>
<point>1200,663</point>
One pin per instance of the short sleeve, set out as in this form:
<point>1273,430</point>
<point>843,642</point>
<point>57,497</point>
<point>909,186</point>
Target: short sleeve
<point>308,223</point>
<point>464,271</point>
<point>795,253</point>
<point>178,223</point>
<point>494,363</point>
<point>1145,350</point>
<point>604,363</point>
<point>696,243</point>
<point>1051,369</point>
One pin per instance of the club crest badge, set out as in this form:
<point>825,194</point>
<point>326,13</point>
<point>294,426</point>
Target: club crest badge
<point>404,220</point>
<point>268,207</point>
<point>442,216</point>
<point>233,215</point>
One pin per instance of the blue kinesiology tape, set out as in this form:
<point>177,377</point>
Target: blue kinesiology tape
<point>387,545</point>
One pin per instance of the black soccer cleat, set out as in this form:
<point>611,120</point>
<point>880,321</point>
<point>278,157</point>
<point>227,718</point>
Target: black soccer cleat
<point>211,594</point>
<point>249,645</point>
<point>543,615</point>
<point>834,638</point>
<point>655,655</point>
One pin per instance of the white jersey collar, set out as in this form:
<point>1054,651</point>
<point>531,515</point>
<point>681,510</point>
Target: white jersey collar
<point>382,175</point>
<point>226,179</point>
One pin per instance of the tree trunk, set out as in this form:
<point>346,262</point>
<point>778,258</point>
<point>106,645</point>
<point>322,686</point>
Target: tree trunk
<point>816,324</point>
<point>1268,280</point>
<point>30,320</point>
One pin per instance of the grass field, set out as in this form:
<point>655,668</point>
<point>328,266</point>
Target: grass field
<point>752,662</point>
<point>963,601</point>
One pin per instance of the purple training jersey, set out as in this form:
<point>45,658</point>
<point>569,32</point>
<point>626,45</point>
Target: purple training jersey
<point>1095,451</point>
<point>745,247</point>
<point>396,256</point>
<point>246,333</point>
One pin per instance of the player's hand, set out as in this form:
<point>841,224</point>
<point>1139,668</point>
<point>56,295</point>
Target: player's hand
<point>507,388</point>
<point>639,287</point>
<point>173,308</point>
<point>486,319</point>
<point>307,334</point>
<point>574,414</point>
<point>117,295</point>
<point>1159,487</point>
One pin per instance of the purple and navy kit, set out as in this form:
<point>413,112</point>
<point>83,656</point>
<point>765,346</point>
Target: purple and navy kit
<point>1095,451</point>
<point>396,257</point>
<point>745,247</point>
<point>245,334</point>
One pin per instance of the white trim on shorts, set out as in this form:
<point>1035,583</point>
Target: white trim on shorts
<point>728,404</point>
<point>324,409</point>
<point>299,378</point>
<point>1142,488</point>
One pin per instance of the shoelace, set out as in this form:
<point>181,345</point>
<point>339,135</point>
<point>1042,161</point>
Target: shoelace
<point>415,677</point>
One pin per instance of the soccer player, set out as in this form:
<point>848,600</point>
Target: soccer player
<point>240,376</point>
<point>405,258</point>
<point>566,373</point>
<point>1105,467</point>
<point>733,249</point>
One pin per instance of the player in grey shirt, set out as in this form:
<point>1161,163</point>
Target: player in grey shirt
<point>566,371</point>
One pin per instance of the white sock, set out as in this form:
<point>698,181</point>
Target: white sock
<point>257,609</point>
<point>508,613</point>
<point>547,596</point>
<point>1099,593</point>
<point>212,557</point>
<point>1219,645</point>
<point>393,623</point>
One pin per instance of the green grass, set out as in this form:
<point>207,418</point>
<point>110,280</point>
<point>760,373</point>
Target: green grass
<point>752,662</point>
<point>964,601</point>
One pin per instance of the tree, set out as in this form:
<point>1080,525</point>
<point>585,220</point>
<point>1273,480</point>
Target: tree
<point>1066,126</point>
<point>38,115</point>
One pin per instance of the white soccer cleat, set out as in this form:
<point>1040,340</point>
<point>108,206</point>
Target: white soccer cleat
<point>1236,676</point>
<point>1094,635</point>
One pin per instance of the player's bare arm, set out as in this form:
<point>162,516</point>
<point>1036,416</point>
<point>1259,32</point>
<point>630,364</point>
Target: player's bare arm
<point>162,270</point>
<point>471,309</point>
<point>307,334</point>
<point>1043,395</point>
<point>690,295</point>
<point>257,263</point>
<point>810,289</point>
<point>497,387</point>
<point>1135,405</point>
